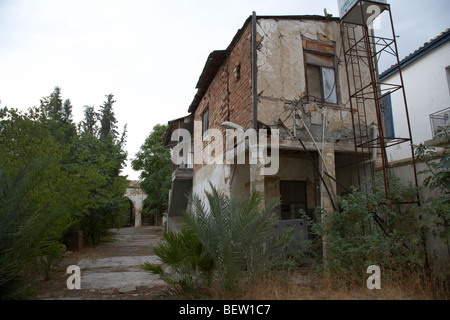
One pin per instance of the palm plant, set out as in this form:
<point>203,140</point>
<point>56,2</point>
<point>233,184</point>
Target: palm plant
<point>238,239</point>
<point>29,237</point>
<point>190,264</point>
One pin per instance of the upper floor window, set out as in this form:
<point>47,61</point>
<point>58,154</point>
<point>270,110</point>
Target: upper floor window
<point>320,71</point>
<point>388,118</point>
<point>205,122</point>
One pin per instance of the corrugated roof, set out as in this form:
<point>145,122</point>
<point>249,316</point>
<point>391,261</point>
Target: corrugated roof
<point>414,56</point>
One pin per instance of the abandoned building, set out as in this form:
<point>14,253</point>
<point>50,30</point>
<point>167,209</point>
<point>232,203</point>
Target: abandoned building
<point>284,73</point>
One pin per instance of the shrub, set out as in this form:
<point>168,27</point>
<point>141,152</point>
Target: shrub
<point>369,230</point>
<point>435,213</point>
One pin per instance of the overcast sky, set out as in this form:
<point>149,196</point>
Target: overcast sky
<point>149,54</point>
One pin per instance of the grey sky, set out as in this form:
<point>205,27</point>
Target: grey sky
<point>149,54</point>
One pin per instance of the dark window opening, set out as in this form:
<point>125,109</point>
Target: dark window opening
<point>237,72</point>
<point>321,83</point>
<point>388,119</point>
<point>447,72</point>
<point>320,71</point>
<point>293,199</point>
<point>205,122</point>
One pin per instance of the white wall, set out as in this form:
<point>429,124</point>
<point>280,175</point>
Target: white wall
<point>427,91</point>
<point>217,175</point>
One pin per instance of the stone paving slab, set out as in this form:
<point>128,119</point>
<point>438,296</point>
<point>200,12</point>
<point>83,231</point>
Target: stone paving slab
<point>112,262</point>
<point>112,270</point>
<point>117,280</point>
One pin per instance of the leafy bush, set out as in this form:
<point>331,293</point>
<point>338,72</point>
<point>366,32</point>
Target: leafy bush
<point>190,264</point>
<point>370,230</point>
<point>435,213</point>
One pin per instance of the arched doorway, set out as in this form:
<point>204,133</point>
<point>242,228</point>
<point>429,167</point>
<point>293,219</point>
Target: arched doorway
<point>131,212</point>
<point>135,194</point>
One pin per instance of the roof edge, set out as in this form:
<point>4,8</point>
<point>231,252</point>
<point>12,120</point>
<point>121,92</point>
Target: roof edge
<point>419,53</point>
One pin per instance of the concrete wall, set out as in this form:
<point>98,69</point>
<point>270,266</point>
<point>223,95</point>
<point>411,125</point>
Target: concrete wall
<point>427,91</point>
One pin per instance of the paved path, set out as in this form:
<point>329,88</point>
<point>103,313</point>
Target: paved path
<point>111,271</point>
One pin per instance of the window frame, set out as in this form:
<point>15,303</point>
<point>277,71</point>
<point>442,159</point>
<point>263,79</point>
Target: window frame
<point>321,55</point>
<point>387,97</point>
<point>205,122</point>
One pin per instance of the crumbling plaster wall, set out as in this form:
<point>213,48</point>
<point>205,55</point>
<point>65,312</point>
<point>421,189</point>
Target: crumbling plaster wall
<point>217,175</point>
<point>282,80</point>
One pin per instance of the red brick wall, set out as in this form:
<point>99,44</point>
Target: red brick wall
<point>229,98</point>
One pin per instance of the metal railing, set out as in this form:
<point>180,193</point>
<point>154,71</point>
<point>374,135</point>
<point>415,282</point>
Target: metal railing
<point>439,119</point>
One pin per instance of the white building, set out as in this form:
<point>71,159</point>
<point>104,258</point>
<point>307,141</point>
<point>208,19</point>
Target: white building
<point>426,76</point>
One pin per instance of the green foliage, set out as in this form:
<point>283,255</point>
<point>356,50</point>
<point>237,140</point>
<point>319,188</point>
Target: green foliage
<point>190,264</point>
<point>30,235</point>
<point>98,156</point>
<point>233,242</point>
<point>370,230</point>
<point>435,213</point>
<point>108,120</point>
<point>52,179</point>
<point>154,161</point>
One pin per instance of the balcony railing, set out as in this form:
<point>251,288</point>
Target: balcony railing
<point>439,119</point>
<point>183,170</point>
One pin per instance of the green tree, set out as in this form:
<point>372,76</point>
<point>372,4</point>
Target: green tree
<point>108,121</point>
<point>99,155</point>
<point>39,197</point>
<point>52,178</point>
<point>57,115</point>
<point>155,164</point>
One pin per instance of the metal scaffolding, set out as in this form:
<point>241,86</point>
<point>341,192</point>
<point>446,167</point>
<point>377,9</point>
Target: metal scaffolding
<point>362,51</point>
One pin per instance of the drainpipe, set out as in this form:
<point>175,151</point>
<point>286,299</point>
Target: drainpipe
<point>254,74</point>
<point>374,150</point>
